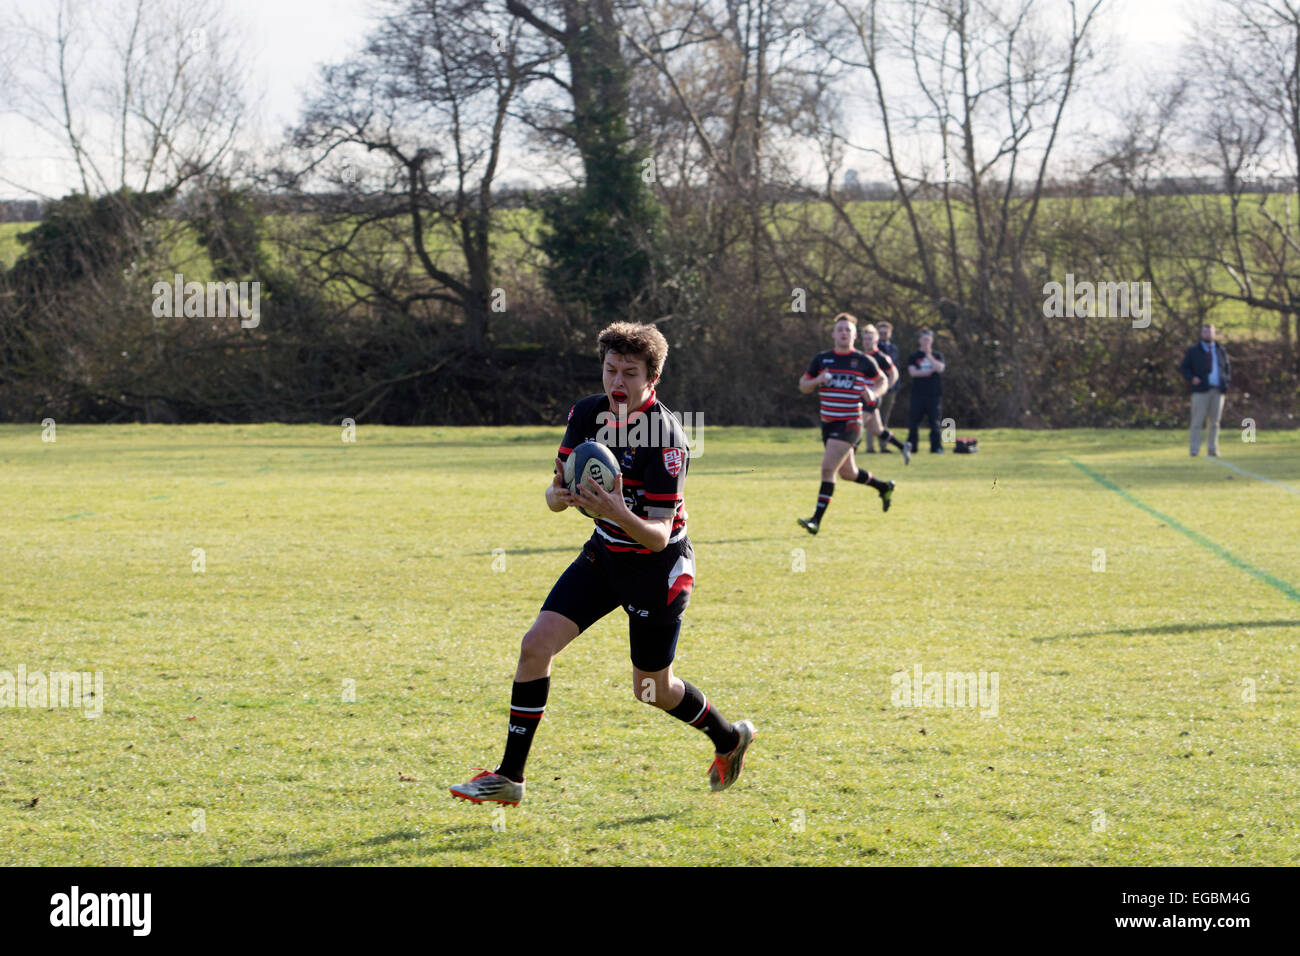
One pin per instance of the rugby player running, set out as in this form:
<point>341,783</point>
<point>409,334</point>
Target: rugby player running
<point>871,410</point>
<point>843,377</point>
<point>638,558</point>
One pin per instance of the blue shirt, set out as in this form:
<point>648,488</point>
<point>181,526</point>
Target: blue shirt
<point>890,349</point>
<point>1214,380</point>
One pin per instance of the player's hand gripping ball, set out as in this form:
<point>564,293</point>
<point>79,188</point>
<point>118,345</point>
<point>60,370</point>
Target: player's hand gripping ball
<point>590,460</point>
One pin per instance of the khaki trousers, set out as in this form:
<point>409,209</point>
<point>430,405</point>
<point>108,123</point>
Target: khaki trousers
<point>1206,405</point>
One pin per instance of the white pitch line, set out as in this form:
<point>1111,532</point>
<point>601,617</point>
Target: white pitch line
<point>1251,474</point>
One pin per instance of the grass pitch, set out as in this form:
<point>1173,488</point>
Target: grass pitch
<point>304,689</point>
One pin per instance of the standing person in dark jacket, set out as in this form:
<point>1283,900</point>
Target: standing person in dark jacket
<point>1205,366</point>
<point>925,366</point>
<point>886,332</point>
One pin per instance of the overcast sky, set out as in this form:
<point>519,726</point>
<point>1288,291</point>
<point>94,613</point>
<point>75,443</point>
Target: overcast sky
<point>290,39</point>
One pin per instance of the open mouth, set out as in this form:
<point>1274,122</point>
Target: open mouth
<point>619,397</point>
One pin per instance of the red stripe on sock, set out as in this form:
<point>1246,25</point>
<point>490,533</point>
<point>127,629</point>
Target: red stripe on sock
<point>707,708</point>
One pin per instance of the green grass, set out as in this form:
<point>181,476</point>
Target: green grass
<point>1119,691</point>
<point>10,247</point>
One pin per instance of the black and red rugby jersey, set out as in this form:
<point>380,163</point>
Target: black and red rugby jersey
<point>882,360</point>
<point>651,450</point>
<point>841,399</point>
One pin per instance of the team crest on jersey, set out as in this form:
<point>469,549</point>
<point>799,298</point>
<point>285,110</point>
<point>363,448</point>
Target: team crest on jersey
<point>673,461</point>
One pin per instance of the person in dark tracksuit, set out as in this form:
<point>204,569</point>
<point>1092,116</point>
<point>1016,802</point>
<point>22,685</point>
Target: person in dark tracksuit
<point>925,366</point>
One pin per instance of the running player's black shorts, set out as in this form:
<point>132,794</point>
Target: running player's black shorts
<point>653,589</point>
<point>850,431</point>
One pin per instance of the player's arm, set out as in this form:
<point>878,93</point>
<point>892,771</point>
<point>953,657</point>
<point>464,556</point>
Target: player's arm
<point>653,533</point>
<point>893,376</point>
<point>916,372</point>
<point>936,363</point>
<point>808,383</point>
<point>558,495</point>
<point>812,378</point>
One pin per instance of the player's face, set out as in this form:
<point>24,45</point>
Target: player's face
<point>626,382</point>
<point>1207,333</point>
<point>843,335</point>
<point>869,341</point>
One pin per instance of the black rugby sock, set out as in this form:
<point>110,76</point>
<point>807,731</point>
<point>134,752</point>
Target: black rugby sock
<point>865,478</point>
<point>527,703</point>
<point>823,500</point>
<point>890,437</point>
<point>696,710</point>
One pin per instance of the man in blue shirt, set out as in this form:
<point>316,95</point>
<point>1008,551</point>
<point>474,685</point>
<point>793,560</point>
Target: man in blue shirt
<point>1206,368</point>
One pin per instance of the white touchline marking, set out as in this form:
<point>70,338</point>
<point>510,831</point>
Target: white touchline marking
<point>1280,484</point>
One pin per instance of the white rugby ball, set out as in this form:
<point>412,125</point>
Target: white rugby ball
<point>590,460</point>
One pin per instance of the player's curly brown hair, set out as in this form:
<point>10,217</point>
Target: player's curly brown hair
<point>633,340</point>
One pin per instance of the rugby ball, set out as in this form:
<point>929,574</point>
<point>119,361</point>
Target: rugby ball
<point>592,460</point>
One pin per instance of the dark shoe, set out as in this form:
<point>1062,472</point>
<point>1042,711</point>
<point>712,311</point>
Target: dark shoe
<point>808,525</point>
<point>885,496</point>
<point>885,451</point>
<point>936,451</point>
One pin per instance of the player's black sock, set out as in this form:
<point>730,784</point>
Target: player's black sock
<point>890,437</point>
<point>698,712</point>
<point>823,502</point>
<point>865,478</point>
<point>527,703</point>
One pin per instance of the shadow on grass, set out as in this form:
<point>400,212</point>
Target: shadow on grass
<point>635,821</point>
<point>326,857</point>
<point>574,548</point>
<point>1169,629</point>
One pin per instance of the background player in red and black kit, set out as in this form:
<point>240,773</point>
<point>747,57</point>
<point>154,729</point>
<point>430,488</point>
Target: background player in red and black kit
<point>638,557</point>
<point>843,379</point>
<point>871,412</point>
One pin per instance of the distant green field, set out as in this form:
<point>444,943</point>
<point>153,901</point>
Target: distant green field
<point>10,247</point>
<point>517,229</point>
<point>346,650</point>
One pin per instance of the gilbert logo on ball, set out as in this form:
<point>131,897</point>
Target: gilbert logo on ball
<point>591,460</point>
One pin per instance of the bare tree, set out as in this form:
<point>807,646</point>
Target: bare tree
<point>143,94</point>
<point>965,101</point>
<point>1247,74</point>
<point>411,133</point>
